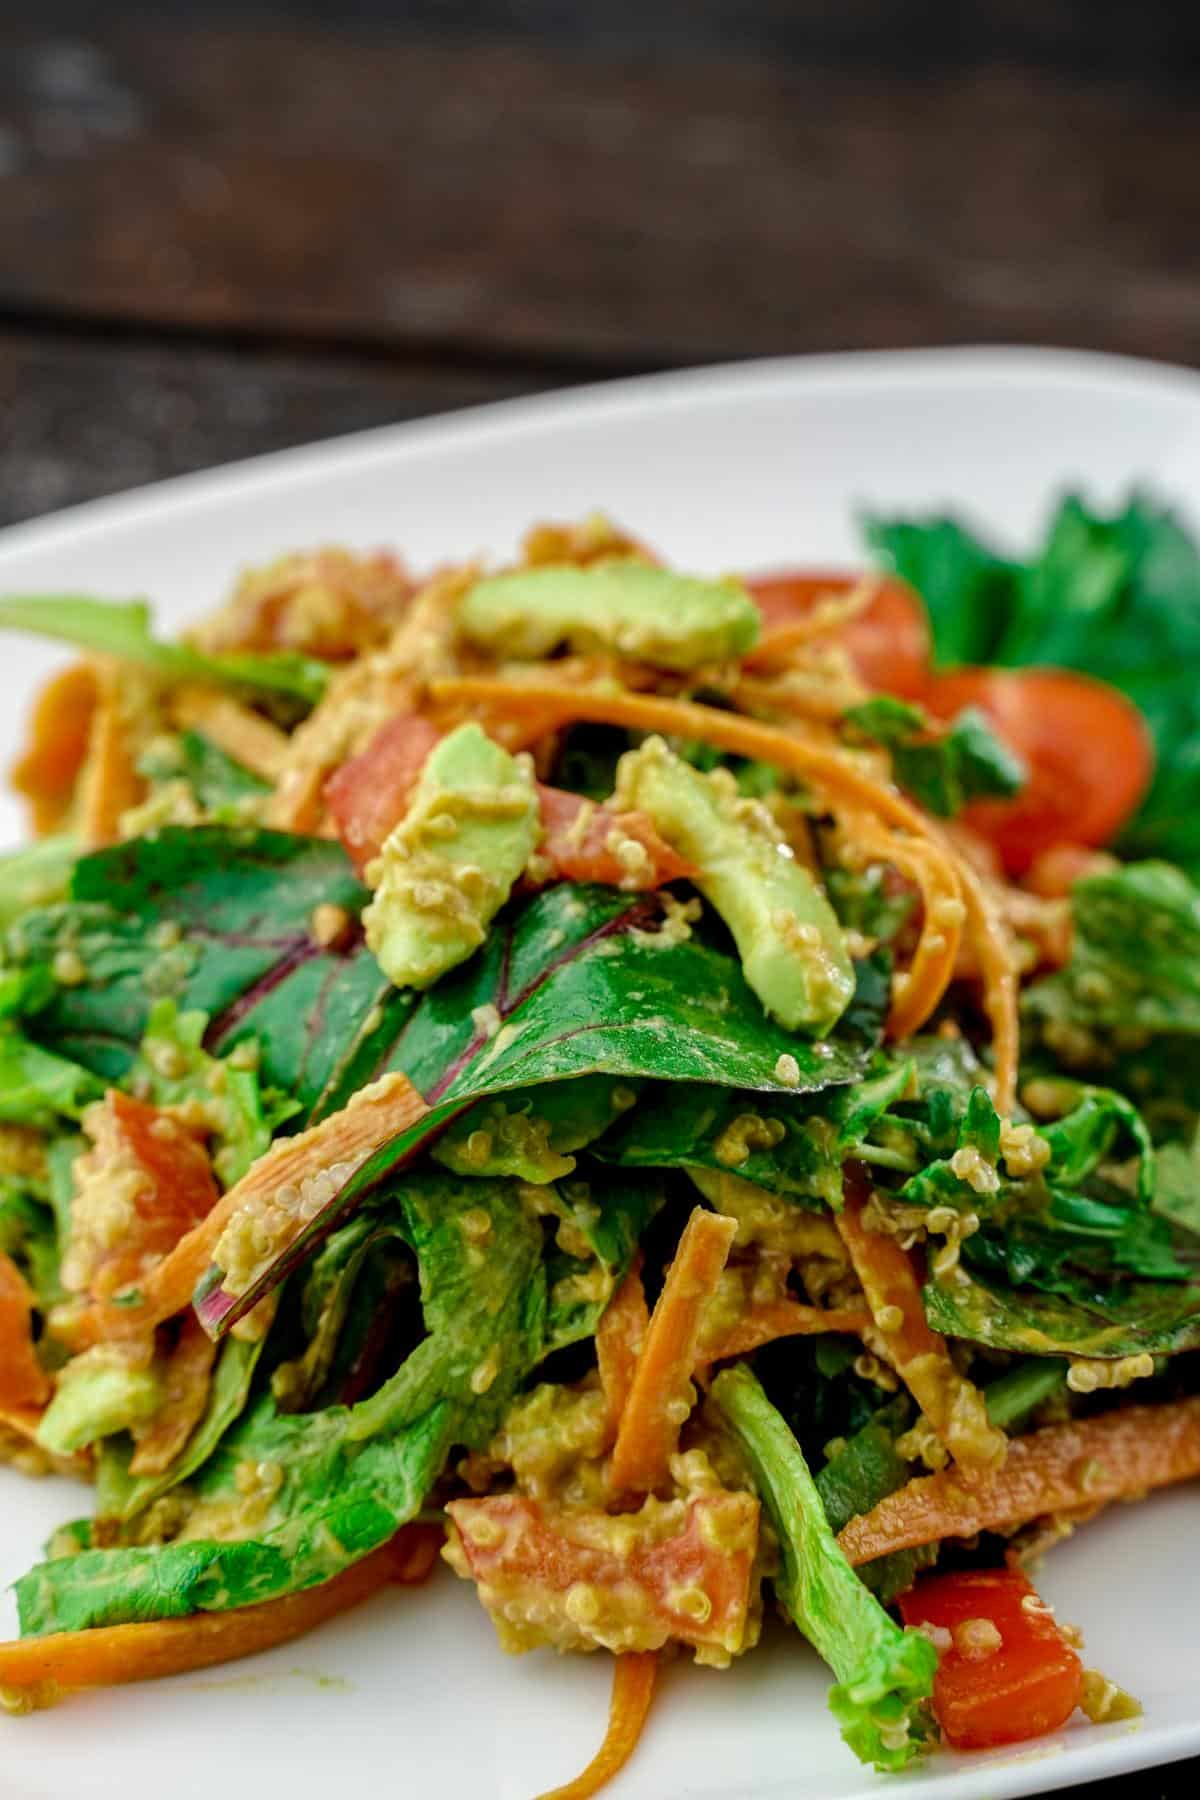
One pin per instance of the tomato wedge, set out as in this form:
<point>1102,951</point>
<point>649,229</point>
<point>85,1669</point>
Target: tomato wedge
<point>148,1165</point>
<point>1088,748</point>
<point>367,794</point>
<point>1005,1672</point>
<point>888,641</point>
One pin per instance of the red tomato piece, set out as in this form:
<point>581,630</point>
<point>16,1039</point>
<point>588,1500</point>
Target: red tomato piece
<point>368,794</point>
<point>156,1166</point>
<point>1088,748</point>
<point>1007,1673</point>
<point>888,641</point>
<point>592,849</point>
<point>634,1589</point>
<point>24,1384</point>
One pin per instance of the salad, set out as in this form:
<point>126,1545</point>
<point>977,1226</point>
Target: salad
<point>674,1095</point>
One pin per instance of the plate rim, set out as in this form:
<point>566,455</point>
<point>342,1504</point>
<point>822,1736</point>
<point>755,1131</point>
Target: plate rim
<point>602,401</point>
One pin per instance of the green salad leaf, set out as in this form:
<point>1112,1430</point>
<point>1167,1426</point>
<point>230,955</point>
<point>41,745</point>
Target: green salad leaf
<point>884,1675</point>
<point>942,770</point>
<point>122,628</point>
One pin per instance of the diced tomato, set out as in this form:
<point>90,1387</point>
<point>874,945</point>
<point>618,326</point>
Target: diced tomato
<point>1088,748</point>
<point>24,1384</point>
<point>1008,1672</point>
<point>590,849</point>
<point>145,1158</point>
<point>888,641</point>
<point>368,794</point>
<point>634,1589</point>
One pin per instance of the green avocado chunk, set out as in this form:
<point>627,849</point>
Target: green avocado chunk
<point>649,614</point>
<point>792,949</point>
<point>98,1393</point>
<point>450,864</point>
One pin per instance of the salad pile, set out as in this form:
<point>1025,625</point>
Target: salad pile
<point>677,1095</point>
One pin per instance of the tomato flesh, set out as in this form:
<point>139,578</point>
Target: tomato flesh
<point>588,854</point>
<point>888,641</point>
<point>1088,750</point>
<point>370,792</point>
<point>1028,1684</point>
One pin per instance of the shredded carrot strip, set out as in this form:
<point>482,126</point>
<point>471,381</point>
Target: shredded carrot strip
<point>109,1655</point>
<point>634,1676</point>
<point>952,1404</point>
<point>1063,1468</point>
<point>24,1384</point>
<point>839,776</point>
<point>58,738</point>
<point>620,1336</point>
<point>919,988</point>
<point>993,947</point>
<point>374,1117</point>
<point>784,1318</point>
<point>660,1393</point>
<point>234,728</point>
<point>109,783</point>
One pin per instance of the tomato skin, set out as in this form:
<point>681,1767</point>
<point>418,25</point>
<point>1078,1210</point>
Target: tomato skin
<point>588,856</point>
<point>1027,1687</point>
<point>1088,749</point>
<point>888,641</point>
<point>175,1189</point>
<point>369,793</point>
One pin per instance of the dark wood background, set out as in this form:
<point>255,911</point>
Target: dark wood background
<point>234,226</point>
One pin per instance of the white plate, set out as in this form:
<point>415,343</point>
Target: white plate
<point>722,469</point>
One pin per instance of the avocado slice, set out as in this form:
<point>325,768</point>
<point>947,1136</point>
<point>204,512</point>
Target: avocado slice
<point>98,1393</point>
<point>649,614</point>
<point>792,949</point>
<point>449,865</point>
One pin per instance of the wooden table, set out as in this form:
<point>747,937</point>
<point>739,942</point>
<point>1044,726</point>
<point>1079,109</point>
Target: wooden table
<point>220,237</point>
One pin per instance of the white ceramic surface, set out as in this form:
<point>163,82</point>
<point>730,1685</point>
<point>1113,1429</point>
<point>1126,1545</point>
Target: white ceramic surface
<point>735,467</point>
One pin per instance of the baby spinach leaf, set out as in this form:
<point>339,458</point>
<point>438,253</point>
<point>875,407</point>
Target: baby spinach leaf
<point>122,629</point>
<point>791,1145</point>
<point>1102,1318</point>
<point>942,769</point>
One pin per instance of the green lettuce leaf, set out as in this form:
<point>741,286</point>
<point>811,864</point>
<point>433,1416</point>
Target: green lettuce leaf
<point>37,1087</point>
<point>37,875</point>
<point>884,1675</point>
<point>336,1483</point>
<point>122,629</point>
